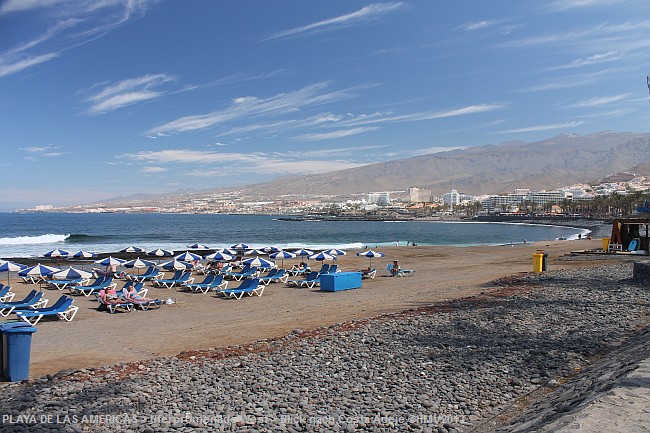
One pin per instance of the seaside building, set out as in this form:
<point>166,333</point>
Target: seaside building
<point>379,198</point>
<point>419,195</point>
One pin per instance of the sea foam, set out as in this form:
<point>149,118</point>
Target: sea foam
<point>28,240</point>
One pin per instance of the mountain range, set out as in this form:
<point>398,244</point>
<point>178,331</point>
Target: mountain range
<point>562,160</point>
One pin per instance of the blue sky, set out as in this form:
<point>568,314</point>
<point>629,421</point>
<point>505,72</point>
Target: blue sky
<point>105,98</point>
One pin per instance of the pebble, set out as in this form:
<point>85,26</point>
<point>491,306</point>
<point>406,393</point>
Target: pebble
<point>445,370</point>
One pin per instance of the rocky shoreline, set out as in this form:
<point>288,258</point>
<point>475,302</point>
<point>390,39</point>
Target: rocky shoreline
<point>449,367</point>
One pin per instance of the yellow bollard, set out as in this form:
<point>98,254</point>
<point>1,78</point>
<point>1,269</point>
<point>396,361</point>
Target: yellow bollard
<point>538,261</point>
<point>605,244</point>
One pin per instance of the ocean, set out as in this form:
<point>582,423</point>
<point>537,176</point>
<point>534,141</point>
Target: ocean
<point>33,234</point>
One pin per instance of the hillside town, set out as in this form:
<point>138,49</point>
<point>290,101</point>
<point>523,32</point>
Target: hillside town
<point>617,194</point>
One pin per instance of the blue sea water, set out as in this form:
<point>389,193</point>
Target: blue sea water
<point>33,234</point>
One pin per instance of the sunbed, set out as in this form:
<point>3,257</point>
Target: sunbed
<point>6,295</point>
<point>179,278</point>
<point>62,308</point>
<point>130,286</point>
<point>247,272</point>
<point>152,273</point>
<point>310,280</point>
<point>34,299</point>
<point>248,287</point>
<point>400,272</point>
<point>120,304</point>
<point>62,284</point>
<point>210,282</point>
<point>275,275</point>
<point>101,283</point>
<point>369,273</point>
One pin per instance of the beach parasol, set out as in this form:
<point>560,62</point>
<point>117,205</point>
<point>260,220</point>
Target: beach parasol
<point>81,254</point>
<point>56,253</point>
<point>71,274</point>
<point>198,246</point>
<point>138,263</point>
<point>271,249</point>
<point>230,251</point>
<point>254,253</point>
<point>220,256</point>
<point>240,247</point>
<point>39,271</point>
<point>11,267</point>
<point>335,252</point>
<point>370,254</point>
<point>160,253</point>
<point>258,262</point>
<point>175,265</point>
<point>282,255</point>
<point>188,257</point>
<point>303,252</point>
<point>321,257</point>
<point>132,249</point>
<point>110,261</point>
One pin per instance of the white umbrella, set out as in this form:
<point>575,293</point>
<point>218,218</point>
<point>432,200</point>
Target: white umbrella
<point>138,263</point>
<point>71,274</point>
<point>175,265</point>
<point>321,256</point>
<point>241,246</point>
<point>219,256</point>
<point>38,270</point>
<point>258,262</point>
<point>56,253</point>
<point>160,253</point>
<point>10,267</point>
<point>303,252</point>
<point>335,252</point>
<point>282,255</point>
<point>132,249</point>
<point>110,261</point>
<point>81,254</point>
<point>198,246</point>
<point>370,254</point>
<point>188,257</point>
<point>254,253</point>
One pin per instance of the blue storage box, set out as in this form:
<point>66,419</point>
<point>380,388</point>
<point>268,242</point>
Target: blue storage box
<point>340,281</point>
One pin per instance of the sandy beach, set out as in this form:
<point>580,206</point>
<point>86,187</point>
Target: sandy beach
<point>202,321</point>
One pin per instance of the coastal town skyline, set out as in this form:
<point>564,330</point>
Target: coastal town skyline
<point>106,99</point>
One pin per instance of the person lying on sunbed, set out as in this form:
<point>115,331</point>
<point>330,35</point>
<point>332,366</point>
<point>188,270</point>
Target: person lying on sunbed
<point>366,271</point>
<point>133,296</point>
<point>299,267</point>
<point>109,296</point>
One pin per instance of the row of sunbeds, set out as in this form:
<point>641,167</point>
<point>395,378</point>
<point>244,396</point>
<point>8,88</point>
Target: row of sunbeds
<point>33,307</point>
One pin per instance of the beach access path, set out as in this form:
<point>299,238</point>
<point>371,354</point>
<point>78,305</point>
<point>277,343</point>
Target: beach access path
<point>203,321</point>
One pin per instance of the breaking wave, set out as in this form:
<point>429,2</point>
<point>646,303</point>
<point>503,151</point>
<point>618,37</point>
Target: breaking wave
<point>30,240</point>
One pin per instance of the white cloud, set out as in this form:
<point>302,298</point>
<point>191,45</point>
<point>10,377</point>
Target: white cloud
<point>541,128</point>
<point>594,59</point>
<point>11,66</point>
<point>478,25</point>
<point>598,101</point>
<point>248,107</point>
<point>67,24</point>
<point>335,134</point>
<point>365,14</point>
<point>153,169</point>
<point>126,92</point>
<point>256,162</point>
<point>414,117</point>
<point>563,5</point>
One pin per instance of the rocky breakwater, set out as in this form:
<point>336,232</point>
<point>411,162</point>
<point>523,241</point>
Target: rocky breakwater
<point>442,368</point>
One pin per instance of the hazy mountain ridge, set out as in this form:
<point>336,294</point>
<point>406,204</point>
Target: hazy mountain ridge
<point>491,169</point>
